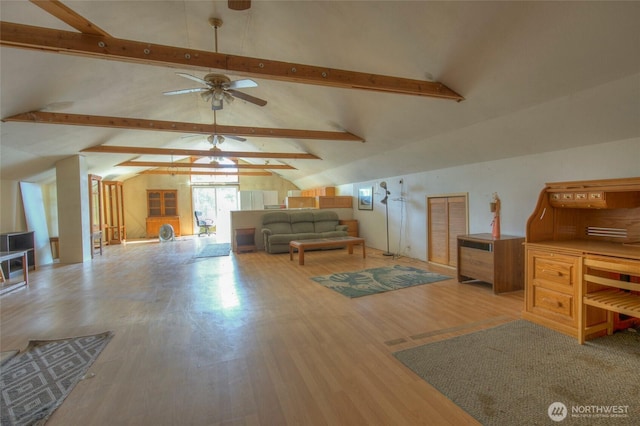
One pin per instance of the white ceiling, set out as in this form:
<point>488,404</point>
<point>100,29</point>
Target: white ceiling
<point>536,77</point>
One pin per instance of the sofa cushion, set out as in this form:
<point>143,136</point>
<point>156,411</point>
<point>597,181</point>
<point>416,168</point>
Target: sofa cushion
<point>275,217</point>
<point>332,234</point>
<point>277,222</point>
<point>325,221</point>
<point>287,238</point>
<point>301,222</point>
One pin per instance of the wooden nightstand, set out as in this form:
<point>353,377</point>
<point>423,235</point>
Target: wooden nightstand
<point>352,229</point>
<point>245,239</point>
<point>499,262</point>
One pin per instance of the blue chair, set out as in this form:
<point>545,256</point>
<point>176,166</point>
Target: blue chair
<point>204,224</point>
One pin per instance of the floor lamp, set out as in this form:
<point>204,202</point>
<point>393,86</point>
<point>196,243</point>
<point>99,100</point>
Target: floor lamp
<point>385,201</point>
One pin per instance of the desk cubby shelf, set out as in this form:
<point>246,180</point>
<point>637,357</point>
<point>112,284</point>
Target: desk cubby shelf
<point>608,284</point>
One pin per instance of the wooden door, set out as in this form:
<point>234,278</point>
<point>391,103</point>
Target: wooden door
<point>446,219</point>
<point>95,204</point>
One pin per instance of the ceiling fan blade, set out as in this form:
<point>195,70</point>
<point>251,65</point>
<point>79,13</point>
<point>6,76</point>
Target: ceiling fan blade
<point>235,138</point>
<point>183,91</point>
<point>248,98</point>
<point>240,84</point>
<point>239,4</point>
<point>194,78</point>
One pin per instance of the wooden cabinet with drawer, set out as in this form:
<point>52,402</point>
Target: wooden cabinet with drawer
<point>352,227</point>
<point>338,201</point>
<point>551,296</point>
<point>497,261</point>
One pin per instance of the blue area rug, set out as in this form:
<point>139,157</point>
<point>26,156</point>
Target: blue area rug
<point>377,280</point>
<point>215,250</point>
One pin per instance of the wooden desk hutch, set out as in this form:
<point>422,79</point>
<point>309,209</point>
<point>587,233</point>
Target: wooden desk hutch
<point>582,269</point>
<point>162,208</point>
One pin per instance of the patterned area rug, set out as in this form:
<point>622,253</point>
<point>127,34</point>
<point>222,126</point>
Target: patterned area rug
<point>377,280</point>
<point>522,373</point>
<point>215,250</point>
<point>36,381</point>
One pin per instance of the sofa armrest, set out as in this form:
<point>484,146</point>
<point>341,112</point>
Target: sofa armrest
<point>342,227</point>
<point>266,232</point>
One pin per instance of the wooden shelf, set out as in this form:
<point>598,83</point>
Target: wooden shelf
<point>613,286</point>
<point>619,301</point>
<point>245,239</point>
<point>18,241</point>
<point>332,202</point>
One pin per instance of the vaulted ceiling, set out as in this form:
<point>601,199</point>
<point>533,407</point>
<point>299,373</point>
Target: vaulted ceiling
<point>535,77</point>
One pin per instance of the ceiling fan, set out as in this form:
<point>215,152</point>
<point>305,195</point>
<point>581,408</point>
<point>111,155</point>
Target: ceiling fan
<point>216,139</point>
<point>218,87</point>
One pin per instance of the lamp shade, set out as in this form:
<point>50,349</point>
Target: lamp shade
<point>383,185</point>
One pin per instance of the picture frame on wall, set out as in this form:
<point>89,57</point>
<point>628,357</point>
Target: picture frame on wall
<point>365,198</point>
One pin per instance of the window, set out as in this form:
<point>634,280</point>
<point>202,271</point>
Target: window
<point>217,176</point>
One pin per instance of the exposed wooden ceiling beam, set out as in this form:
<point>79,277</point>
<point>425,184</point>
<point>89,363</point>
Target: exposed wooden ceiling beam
<point>196,173</point>
<point>111,48</point>
<point>207,165</point>
<point>70,17</point>
<point>110,149</point>
<point>239,4</point>
<point>43,117</point>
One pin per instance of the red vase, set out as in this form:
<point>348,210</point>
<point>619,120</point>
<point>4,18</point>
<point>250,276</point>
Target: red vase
<point>495,231</point>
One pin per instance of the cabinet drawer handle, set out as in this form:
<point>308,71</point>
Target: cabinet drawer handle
<point>549,271</point>
<point>552,302</point>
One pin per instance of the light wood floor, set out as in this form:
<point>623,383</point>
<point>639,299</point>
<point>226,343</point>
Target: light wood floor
<point>245,339</point>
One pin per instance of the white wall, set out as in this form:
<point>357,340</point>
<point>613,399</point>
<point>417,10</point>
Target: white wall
<point>518,182</point>
<point>11,210</point>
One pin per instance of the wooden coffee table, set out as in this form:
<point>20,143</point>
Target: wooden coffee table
<point>303,245</point>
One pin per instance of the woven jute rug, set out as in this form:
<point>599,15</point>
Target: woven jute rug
<point>377,280</point>
<point>34,382</point>
<point>520,373</point>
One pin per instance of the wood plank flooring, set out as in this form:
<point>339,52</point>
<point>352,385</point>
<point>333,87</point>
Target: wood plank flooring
<point>246,339</point>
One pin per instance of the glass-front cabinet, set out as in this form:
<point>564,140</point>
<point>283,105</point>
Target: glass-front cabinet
<point>162,208</point>
<point>162,202</point>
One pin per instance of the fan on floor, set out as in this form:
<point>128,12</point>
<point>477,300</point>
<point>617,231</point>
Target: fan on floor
<point>166,233</point>
<point>219,88</point>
